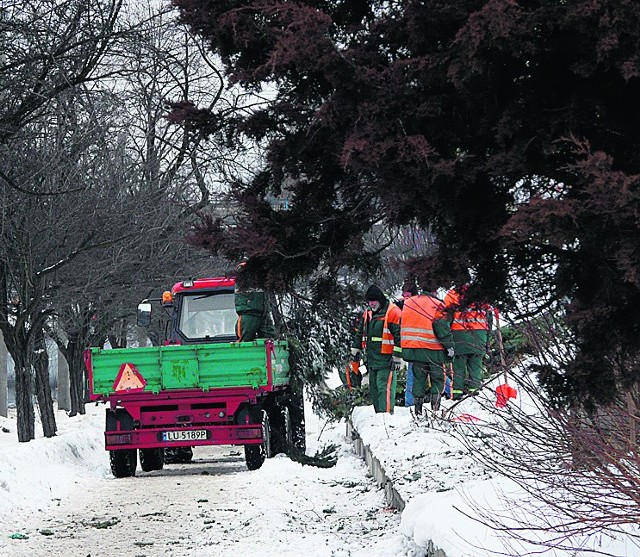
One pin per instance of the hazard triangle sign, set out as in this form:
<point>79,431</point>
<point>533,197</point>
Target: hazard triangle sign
<point>129,379</point>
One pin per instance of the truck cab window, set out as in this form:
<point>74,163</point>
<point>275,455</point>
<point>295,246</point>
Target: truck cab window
<point>205,316</point>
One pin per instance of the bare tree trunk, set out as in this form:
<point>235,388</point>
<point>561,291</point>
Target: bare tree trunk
<point>3,377</point>
<point>43,388</point>
<point>85,380</point>
<point>76,374</point>
<point>24,399</point>
<point>64,400</point>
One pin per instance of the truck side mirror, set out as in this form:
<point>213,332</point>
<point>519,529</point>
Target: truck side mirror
<point>144,315</point>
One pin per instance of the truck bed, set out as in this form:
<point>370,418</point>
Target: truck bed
<point>261,364</point>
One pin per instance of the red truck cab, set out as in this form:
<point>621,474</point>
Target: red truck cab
<point>202,311</point>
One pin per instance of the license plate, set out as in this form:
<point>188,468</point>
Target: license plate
<point>186,435</point>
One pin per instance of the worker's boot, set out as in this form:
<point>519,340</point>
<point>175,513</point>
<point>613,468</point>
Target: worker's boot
<point>435,401</point>
<point>418,401</point>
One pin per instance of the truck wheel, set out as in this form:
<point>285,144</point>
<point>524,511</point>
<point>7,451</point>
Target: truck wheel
<point>151,459</point>
<point>298,434</point>
<point>266,435</point>
<point>123,461</point>
<point>254,455</point>
<point>287,430</point>
<point>280,429</point>
<point>185,454</point>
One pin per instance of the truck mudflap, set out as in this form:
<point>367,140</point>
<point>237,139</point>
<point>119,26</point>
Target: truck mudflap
<point>244,434</point>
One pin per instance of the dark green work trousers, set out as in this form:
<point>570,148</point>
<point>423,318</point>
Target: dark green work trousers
<point>467,373</point>
<point>382,388</point>
<point>428,378</point>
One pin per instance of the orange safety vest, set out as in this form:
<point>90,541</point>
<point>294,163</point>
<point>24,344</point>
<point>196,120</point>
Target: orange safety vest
<point>469,320</point>
<point>393,315</point>
<point>418,315</point>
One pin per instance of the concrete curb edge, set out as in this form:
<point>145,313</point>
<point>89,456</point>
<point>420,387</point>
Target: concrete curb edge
<point>393,498</point>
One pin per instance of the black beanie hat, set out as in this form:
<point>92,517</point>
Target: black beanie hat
<point>374,293</point>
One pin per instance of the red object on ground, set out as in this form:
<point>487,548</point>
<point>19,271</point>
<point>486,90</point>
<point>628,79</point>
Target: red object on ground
<point>504,393</point>
<point>466,418</point>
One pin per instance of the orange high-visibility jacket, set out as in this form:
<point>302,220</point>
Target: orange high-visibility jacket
<point>471,319</point>
<point>392,315</point>
<point>418,315</point>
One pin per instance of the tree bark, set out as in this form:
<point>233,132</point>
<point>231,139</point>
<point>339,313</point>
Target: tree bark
<point>64,400</point>
<point>3,377</point>
<point>76,375</point>
<point>24,399</point>
<point>43,388</point>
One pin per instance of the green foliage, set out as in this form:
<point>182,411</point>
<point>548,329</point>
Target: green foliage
<point>319,337</point>
<point>339,403</point>
<point>515,342</point>
<point>324,458</point>
<point>512,125</point>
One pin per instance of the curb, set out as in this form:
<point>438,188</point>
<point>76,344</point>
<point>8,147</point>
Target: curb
<point>393,498</point>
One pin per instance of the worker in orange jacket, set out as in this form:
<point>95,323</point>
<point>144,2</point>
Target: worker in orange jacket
<point>427,342</point>
<point>408,289</point>
<point>377,338</point>
<point>470,328</point>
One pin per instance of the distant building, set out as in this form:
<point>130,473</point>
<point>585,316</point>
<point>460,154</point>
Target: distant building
<point>280,202</point>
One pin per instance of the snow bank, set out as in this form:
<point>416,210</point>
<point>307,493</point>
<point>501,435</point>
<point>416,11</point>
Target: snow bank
<point>36,474</point>
<point>438,480</point>
<point>443,486</point>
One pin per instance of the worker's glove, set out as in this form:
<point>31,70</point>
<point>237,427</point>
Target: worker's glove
<point>396,363</point>
<point>451,352</point>
<point>355,354</point>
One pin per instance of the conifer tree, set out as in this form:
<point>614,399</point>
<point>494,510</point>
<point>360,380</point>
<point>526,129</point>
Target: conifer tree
<point>511,129</point>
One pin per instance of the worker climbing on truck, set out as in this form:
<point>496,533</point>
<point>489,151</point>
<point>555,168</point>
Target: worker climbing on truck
<point>252,307</point>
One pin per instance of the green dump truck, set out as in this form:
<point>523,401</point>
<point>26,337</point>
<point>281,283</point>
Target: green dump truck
<point>201,387</point>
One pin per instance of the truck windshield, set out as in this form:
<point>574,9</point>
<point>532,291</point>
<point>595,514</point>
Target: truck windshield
<point>205,316</point>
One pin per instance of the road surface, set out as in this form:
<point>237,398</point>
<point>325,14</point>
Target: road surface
<point>214,506</point>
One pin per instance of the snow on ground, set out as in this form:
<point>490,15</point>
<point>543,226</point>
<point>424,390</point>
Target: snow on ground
<point>35,474</point>
<point>429,467</point>
<point>441,483</point>
<point>284,508</point>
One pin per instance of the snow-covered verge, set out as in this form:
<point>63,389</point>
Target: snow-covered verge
<point>443,486</point>
<point>34,475</point>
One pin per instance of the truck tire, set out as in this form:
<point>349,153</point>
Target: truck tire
<point>254,455</point>
<point>151,459</point>
<point>123,461</point>
<point>287,430</point>
<point>298,434</point>
<point>280,421</point>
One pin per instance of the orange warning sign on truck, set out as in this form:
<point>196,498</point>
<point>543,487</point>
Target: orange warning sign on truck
<point>129,379</point>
